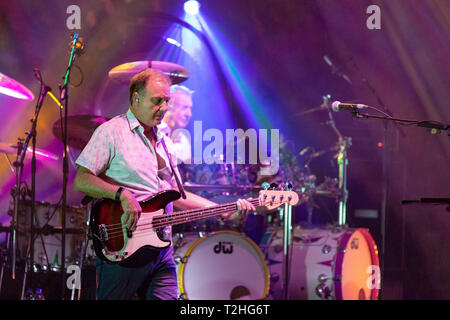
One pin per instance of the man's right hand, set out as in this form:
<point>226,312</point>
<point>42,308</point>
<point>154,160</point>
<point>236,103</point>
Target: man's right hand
<point>131,210</point>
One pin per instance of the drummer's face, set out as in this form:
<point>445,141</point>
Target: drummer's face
<point>182,109</point>
<point>152,102</point>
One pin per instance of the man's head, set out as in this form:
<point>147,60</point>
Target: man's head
<point>180,107</point>
<point>149,95</point>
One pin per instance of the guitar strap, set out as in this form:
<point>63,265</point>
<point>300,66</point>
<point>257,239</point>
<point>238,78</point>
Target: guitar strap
<point>177,179</point>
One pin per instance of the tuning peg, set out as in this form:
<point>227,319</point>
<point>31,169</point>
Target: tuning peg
<point>265,185</point>
<point>282,186</point>
<point>273,185</point>
<point>289,186</point>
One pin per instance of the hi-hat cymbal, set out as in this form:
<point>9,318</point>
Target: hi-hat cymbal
<point>124,72</point>
<point>11,148</point>
<point>79,129</point>
<point>12,88</point>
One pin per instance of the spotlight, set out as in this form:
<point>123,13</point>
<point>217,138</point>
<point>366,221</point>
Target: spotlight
<point>192,7</point>
<point>173,41</point>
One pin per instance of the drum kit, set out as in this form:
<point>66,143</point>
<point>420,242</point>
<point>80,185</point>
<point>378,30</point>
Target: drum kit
<point>288,262</point>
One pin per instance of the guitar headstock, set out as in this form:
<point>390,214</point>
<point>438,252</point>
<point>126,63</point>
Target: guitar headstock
<point>272,199</point>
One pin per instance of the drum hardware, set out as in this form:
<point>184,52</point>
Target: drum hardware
<point>323,291</point>
<point>326,249</point>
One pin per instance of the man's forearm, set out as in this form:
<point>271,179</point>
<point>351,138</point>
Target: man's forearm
<point>193,201</point>
<point>94,186</point>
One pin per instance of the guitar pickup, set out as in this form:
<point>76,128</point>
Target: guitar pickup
<point>103,233</point>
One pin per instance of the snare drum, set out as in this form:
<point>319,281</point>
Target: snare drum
<point>337,263</point>
<point>223,265</point>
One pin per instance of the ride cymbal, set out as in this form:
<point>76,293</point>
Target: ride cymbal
<point>79,129</point>
<point>124,72</point>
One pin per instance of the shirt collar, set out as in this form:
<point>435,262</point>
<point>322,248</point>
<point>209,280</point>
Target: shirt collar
<point>134,123</point>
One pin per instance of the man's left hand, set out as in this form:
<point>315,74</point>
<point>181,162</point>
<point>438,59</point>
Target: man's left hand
<point>244,207</point>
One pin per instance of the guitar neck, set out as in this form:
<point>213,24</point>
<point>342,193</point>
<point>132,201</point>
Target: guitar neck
<point>186,216</point>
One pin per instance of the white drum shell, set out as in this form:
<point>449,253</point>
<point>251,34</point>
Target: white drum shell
<point>207,270</point>
<point>312,263</point>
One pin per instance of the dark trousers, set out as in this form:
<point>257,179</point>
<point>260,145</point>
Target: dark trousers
<point>157,280</point>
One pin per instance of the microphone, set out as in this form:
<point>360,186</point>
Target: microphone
<point>80,46</point>
<point>337,106</point>
<point>77,44</point>
<point>37,74</point>
<point>335,70</point>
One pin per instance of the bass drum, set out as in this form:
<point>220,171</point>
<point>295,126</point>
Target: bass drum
<point>223,265</point>
<point>336,263</point>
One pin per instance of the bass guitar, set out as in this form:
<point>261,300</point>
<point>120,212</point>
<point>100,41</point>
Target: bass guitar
<point>115,243</point>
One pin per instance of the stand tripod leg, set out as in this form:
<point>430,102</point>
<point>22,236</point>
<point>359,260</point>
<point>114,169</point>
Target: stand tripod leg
<point>25,272</point>
<point>84,250</point>
<point>287,223</point>
<point>4,261</point>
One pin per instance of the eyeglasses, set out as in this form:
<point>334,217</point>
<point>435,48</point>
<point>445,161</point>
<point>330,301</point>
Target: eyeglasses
<point>159,100</point>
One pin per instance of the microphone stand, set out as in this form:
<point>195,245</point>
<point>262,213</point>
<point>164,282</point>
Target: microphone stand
<point>65,98</point>
<point>342,160</point>
<point>19,167</point>
<point>385,168</point>
<point>432,201</point>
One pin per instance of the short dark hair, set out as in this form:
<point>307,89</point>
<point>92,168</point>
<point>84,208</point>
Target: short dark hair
<point>139,81</point>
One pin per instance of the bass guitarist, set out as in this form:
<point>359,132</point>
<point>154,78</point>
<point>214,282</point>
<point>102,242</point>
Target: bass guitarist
<point>128,160</point>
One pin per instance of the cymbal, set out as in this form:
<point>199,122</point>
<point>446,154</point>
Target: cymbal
<point>79,129</point>
<point>11,148</point>
<point>124,72</point>
<point>11,87</point>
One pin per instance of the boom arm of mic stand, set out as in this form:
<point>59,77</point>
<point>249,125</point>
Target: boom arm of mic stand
<point>425,124</point>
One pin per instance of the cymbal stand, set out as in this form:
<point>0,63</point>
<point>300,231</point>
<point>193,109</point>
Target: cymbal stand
<point>4,260</point>
<point>18,164</point>
<point>31,135</point>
